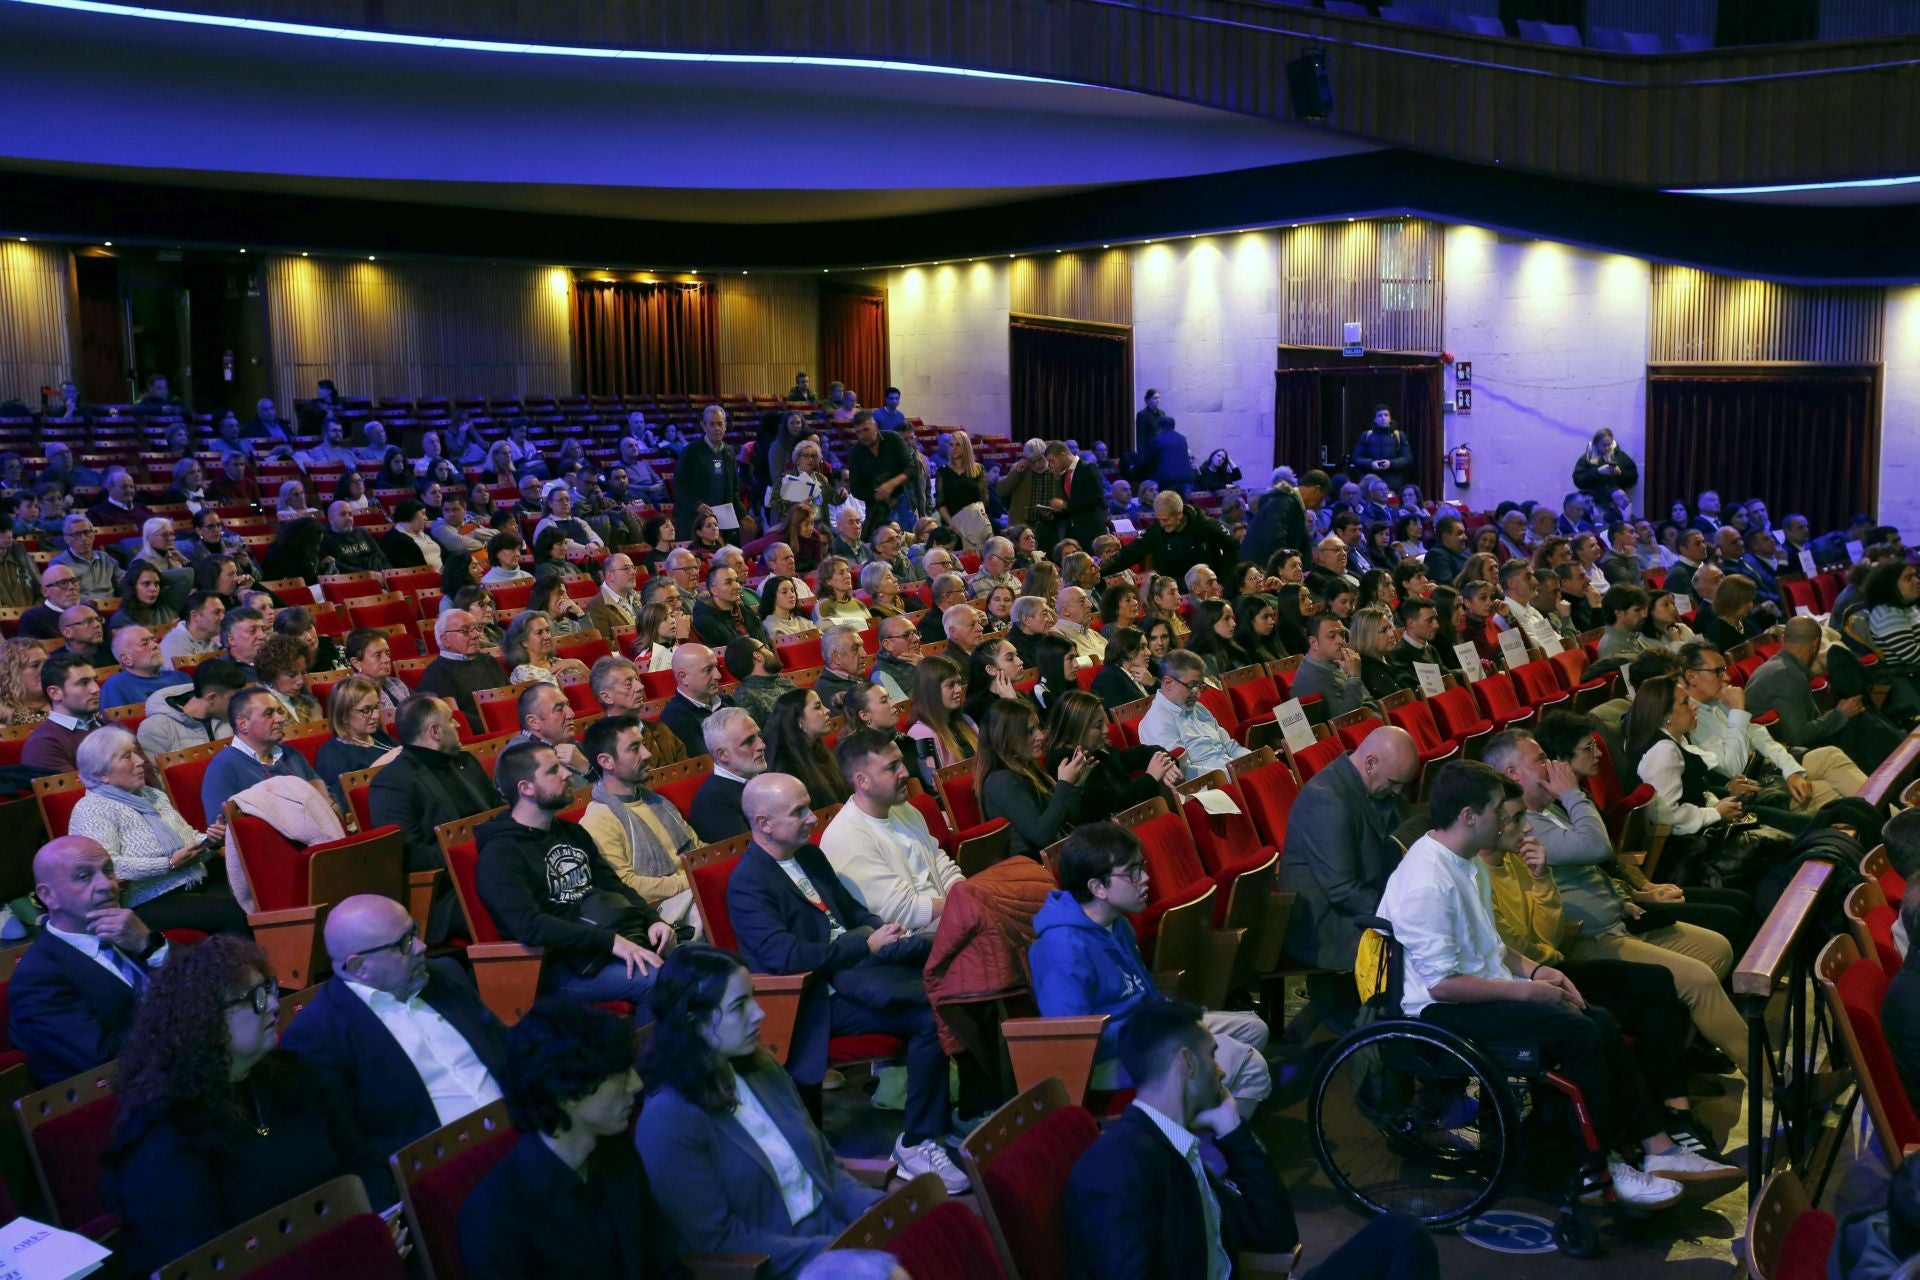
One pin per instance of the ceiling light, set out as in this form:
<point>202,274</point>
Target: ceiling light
<point>107,243</point>
<point>243,251</point>
<point>369,257</point>
<point>1009,255</point>
<point>303,253</point>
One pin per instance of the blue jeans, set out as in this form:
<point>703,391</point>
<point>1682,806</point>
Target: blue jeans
<point>611,983</point>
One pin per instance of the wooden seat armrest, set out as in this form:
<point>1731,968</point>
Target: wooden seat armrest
<point>507,975</point>
<point>778,995</point>
<point>725,1266</point>
<point>293,943</point>
<point>420,895</point>
<point>1252,1265</point>
<point>1263,733</point>
<point>1223,947</point>
<point>1273,931</point>
<point>872,1171</point>
<point>1039,1048</point>
<point>1167,981</point>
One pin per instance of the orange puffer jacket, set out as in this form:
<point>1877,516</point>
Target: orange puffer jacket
<point>980,947</point>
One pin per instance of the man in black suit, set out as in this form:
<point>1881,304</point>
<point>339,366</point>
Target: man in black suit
<point>696,694</point>
<point>430,783</point>
<point>73,995</point>
<point>791,914</point>
<point>1141,1202</point>
<point>732,738</point>
<point>405,1042</point>
<point>708,474</point>
<point>1081,508</point>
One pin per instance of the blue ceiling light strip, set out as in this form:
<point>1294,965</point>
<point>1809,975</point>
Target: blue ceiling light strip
<point>1786,188</point>
<point>314,32</point>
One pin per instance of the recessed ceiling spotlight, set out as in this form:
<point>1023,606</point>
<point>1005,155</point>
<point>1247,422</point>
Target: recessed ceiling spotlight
<point>369,257</point>
<point>243,251</point>
<point>107,243</point>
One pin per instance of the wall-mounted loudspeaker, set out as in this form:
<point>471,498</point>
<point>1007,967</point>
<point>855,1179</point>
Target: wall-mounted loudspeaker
<point>1307,86</point>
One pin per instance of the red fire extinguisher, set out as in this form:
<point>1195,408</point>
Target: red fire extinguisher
<point>1460,460</point>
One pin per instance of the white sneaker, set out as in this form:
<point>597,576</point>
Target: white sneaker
<point>931,1157</point>
<point>1641,1190</point>
<point>1684,1165</point>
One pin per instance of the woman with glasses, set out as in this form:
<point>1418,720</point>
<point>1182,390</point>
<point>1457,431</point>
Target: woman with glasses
<point>358,741</point>
<point>170,874</point>
<point>1011,778</point>
<point>939,716</point>
<point>214,1125</point>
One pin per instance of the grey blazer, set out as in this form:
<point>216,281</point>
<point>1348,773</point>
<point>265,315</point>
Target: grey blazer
<point>1338,856</point>
<point>1783,684</point>
<point>717,1187</point>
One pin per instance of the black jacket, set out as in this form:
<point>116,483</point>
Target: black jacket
<point>1133,1211</point>
<point>1086,515</point>
<point>716,814</point>
<point>421,789</point>
<point>401,551</point>
<point>703,475</point>
<point>684,717</point>
<point>537,885</point>
<point>65,1011</point>
<point>1279,520</point>
<point>1115,688</point>
<point>533,1216</point>
<point>346,1041</point>
<point>1199,540</point>
<point>716,627</point>
<point>458,680</point>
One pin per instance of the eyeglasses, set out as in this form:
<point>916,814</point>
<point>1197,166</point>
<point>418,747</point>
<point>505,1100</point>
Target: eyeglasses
<point>258,997</point>
<point>64,582</point>
<point>1710,671</point>
<point>1135,871</point>
<point>402,943</point>
<point>371,709</point>
<point>1184,684</point>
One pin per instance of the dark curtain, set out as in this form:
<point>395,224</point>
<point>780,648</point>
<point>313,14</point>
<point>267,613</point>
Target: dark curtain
<point>1298,425</point>
<point>645,338</point>
<point>1420,418</point>
<point>1071,383</point>
<point>1805,440</point>
<point>1296,419</point>
<point>853,343</point>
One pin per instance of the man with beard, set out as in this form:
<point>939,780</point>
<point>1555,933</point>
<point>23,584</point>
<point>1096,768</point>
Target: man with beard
<point>638,831</point>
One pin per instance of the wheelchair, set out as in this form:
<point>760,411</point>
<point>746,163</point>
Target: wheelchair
<point>1408,1115</point>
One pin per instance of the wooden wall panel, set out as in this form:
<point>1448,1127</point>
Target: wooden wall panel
<point>1699,317</point>
<point>769,329</point>
<point>1096,286</point>
<point>35,339</point>
<point>1385,273</point>
<point>417,329</point>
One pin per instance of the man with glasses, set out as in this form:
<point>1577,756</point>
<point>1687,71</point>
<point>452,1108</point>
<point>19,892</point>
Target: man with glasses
<point>1738,748</point>
<point>949,589</point>
<point>887,550</point>
<point>682,568</point>
<point>463,668</point>
<point>996,570</point>
<point>1084,960</point>
<point>83,634</point>
<point>254,753</point>
<point>405,1041</point>
<point>1176,718</point>
<point>1339,852</point>
<point>899,654</point>
<point>98,572</point>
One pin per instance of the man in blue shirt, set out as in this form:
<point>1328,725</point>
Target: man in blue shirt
<point>254,754</point>
<point>888,415</point>
<point>1176,718</point>
<point>137,650</point>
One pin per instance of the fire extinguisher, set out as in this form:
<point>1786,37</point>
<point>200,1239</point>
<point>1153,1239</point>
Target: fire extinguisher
<point>226,366</point>
<point>1460,460</point>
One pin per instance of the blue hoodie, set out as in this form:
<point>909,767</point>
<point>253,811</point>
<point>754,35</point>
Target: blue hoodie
<point>1080,968</point>
<point>1863,1248</point>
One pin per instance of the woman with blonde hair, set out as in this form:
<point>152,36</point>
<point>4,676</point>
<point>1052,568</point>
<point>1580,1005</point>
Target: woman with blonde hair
<point>1161,596</point>
<point>1010,779</point>
<point>1372,633</point>
<point>960,493</point>
<point>358,741</point>
<point>1481,566</point>
<point>877,579</point>
<point>292,503</point>
<point>22,700</point>
<point>1043,580</point>
<point>653,637</point>
<point>939,699</point>
<point>528,650</point>
<point>837,602</point>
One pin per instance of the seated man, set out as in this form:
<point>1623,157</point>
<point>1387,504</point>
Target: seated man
<point>61,587</point>
<point>696,694</point>
<point>1457,972</point>
<point>1141,1202</point>
<point>963,630</point>
<point>545,884</point>
<point>193,711</point>
<point>73,995</point>
<point>463,667</point>
<point>1419,624</point>
<point>254,753</point>
<point>83,633</point>
<point>569,1201</point>
<point>739,754</point>
<point>1176,718</point>
<point>73,711</point>
<point>949,589</point>
<point>141,675</point>
<point>1339,852</point>
<point>1734,745</point>
<point>243,631</point>
<point>719,618</point>
<point>1076,611</point>
<point>546,716</point>
<point>404,1041</point>
<point>197,632</point>
<point>1784,684</point>
<point>616,686</point>
<point>791,915</point>
<point>1031,617</point>
<point>1084,961</point>
<point>430,783</point>
<point>638,832</point>
<point>846,664</point>
<point>879,844</point>
<point>1331,667</point>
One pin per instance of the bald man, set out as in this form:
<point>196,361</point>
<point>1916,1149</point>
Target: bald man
<point>696,694</point>
<point>73,996</point>
<point>1075,613</point>
<point>791,914</point>
<point>404,1040</point>
<point>1339,853</point>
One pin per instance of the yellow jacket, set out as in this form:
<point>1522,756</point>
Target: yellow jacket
<point>1526,908</point>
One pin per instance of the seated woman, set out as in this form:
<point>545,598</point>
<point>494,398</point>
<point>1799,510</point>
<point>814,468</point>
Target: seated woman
<point>1160,642</point>
<point>1293,605</point>
<point>171,875</point>
<point>479,602</point>
<point>721,1113</point>
<point>282,664</point>
<point>998,619</point>
<point>1376,589</point>
<point>837,602</point>
<point>1480,567</point>
<point>1109,785</point>
<point>1663,624</point>
<point>550,597</point>
<point>1372,634</point>
<point>293,553</point>
<point>351,488</point>
<point>1409,536</point>
<point>1410,581</point>
<point>1212,639</point>
<point>140,602</point>
<point>395,472</point>
<point>1253,630</point>
<point>1450,625</point>
<point>22,700</point>
<point>213,1125</point>
<point>292,503</point>
<point>504,552</point>
<point>780,608</point>
<point>939,717</point>
<point>1055,659</point>
<point>1162,596</point>
<point>358,741</point>
<point>657,628</point>
<point>657,536</point>
<point>322,653</point>
<point>796,738</point>
<point>706,537</point>
<point>801,531</point>
<point>370,656</point>
<point>1124,674</point>
<point>877,579</point>
<point>1119,607</point>
<point>528,650</point>
<point>1482,603</point>
<point>993,672</point>
<point>550,556</point>
<point>1042,580</point>
<point>1010,779</point>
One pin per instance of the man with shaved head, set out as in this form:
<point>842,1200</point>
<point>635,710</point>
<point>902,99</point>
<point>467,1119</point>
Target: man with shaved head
<point>791,914</point>
<point>73,996</point>
<point>405,1041</point>
<point>1338,855</point>
<point>350,547</point>
<point>696,694</point>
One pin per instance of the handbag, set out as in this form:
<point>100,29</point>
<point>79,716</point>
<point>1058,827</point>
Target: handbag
<point>973,526</point>
<point>605,909</point>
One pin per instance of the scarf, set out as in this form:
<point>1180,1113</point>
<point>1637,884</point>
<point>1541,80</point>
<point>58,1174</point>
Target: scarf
<point>656,833</point>
<point>142,803</point>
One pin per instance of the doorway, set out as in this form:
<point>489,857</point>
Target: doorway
<point>1324,401</point>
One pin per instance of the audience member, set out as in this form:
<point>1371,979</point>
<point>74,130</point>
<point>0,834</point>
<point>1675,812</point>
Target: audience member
<point>60,584</point>
<point>1010,779</point>
<point>1176,718</point>
<point>696,694</point>
<point>137,650</point>
<point>192,712</point>
<point>462,669</point>
<point>796,731</point>
<point>73,712</point>
<point>1784,685</point>
<point>638,831</point>
<point>1735,746</point>
<point>358,741</point>
<point>254,753</point>
<point>879,844</point>
<point>545,718</point>
<point>739,754</point>
<point>845,659</point>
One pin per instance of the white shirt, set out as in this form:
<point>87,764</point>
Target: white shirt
<point>798,1190</point>
<point>891,864</point>
<point>428,547</point>
<point>268,761</point>
<point>66,721</point>
<point>1440,916</point>
<point>456,1079</point>
<point>91,947</point>
<point>1532,623</point>
<point>799,878</point>
<point>1219,1266</point>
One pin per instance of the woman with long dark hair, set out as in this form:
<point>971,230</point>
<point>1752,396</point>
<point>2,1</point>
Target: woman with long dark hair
<point>1451,616</point>
<point>1053,658</point>
<point>1116,779</point>
<point>721,1112</point>
<point>1125,675</point>
<point>1010,779</point>
<point>293,553</point>
<point>140,602</point>
<point>1214,623</point>
<point>992,673</point>
<point>214,1124</point>
<point>1293,605</point>
<point>1253,631</point>
<point>939,715</point>
<point>796,737</point>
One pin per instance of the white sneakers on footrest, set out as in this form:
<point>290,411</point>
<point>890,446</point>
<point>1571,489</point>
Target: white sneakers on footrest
<point>929,1157</point>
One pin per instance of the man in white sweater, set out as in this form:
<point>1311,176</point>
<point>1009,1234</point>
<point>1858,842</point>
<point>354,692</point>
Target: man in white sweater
<point>879,844</point>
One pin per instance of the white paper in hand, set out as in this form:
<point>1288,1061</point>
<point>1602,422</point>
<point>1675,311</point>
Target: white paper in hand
<point>1123,526</point>
<point>1294,728</point>
<point>1807,565</point>
<point>725,515</point>
<point>1214,800</point>
<point>32,1250</point>
<point>1682,605</point>
<point>1513,648</point>
<point>1469,661</point>
<point>1433,682</point>
<point>796,489</point>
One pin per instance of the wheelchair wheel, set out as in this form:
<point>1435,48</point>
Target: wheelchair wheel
<point>1408,1116</point>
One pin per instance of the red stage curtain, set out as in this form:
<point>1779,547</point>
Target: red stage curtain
<point>1806,440</point>
<point>1073,383</point>
<point>645,338</point>
<point>853,344</point>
